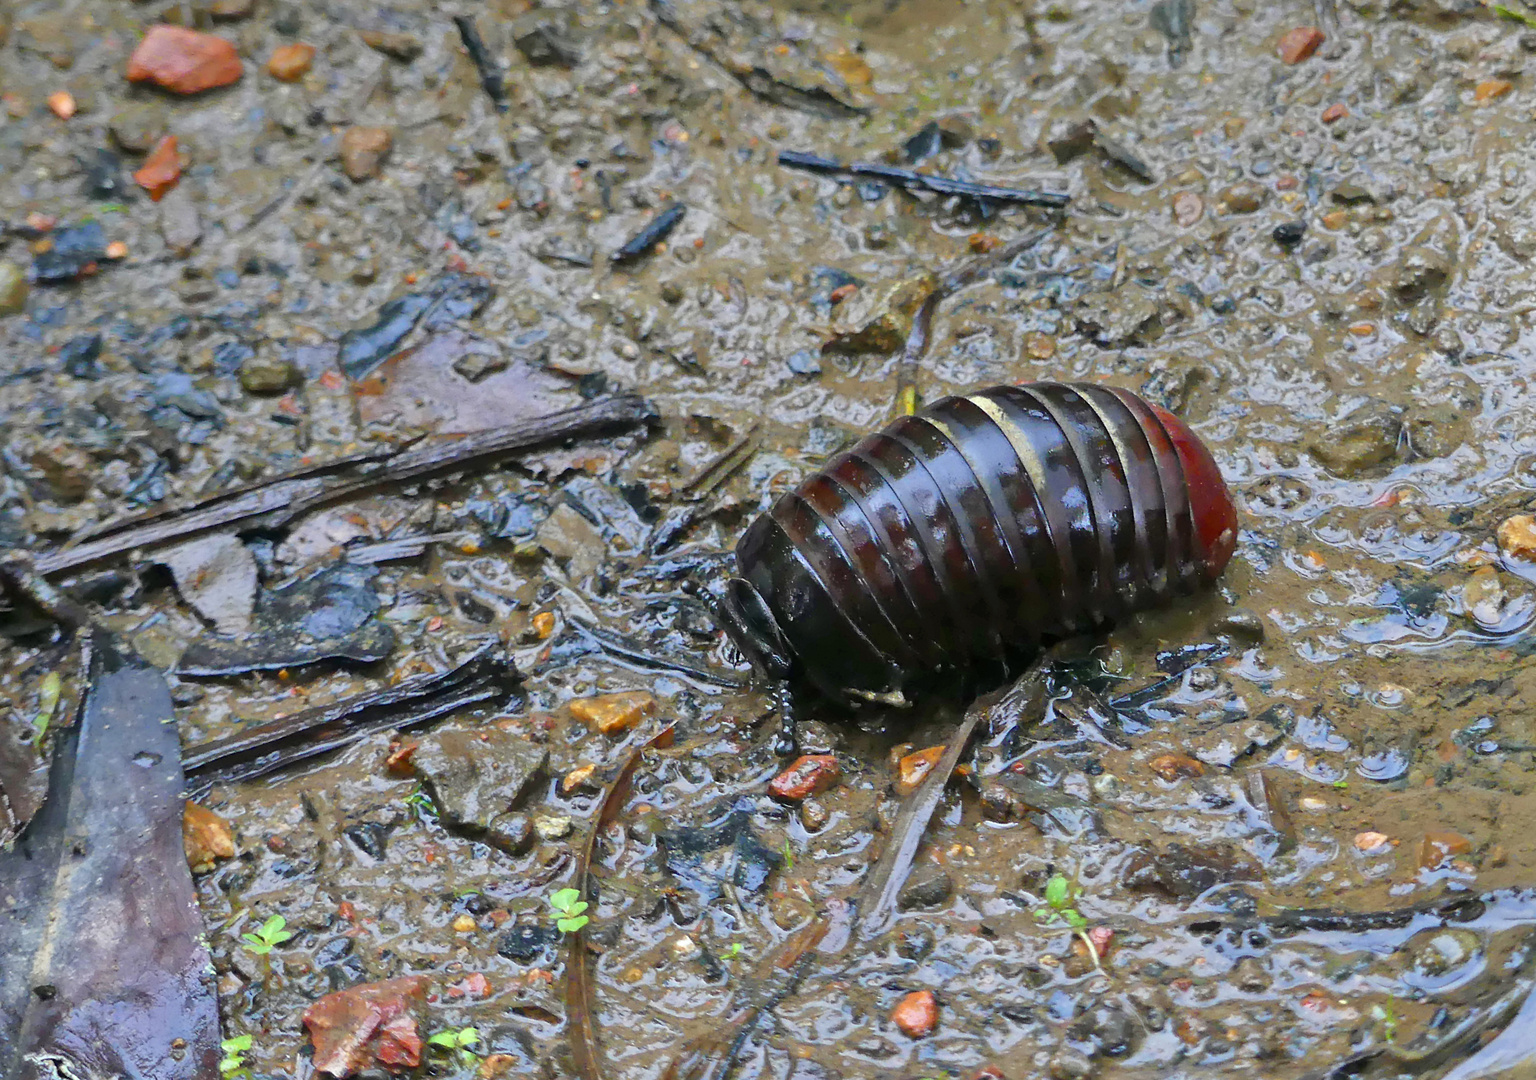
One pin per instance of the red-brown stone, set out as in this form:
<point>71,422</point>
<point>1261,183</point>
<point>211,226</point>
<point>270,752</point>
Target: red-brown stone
<point>1300,43</point>
<point>184,61</point>
<point>161,169</point>
<point>372,1023</point>
<point>810,775</point>
<point>917,1014</point>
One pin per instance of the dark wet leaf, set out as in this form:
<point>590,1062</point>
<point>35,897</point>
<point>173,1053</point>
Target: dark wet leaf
<point>923,145</point>
<point>216,575</point>
<point>78,356</point>
<point>23,776</point>
<point>724,850</point>
<point>177,390</point>
<point>366,348</point>
<point>475,776</point>
<point>425,388</point>
<point>328,615</point>
<point>75,250</point>
<point>105,973</point>
<point>488,675</point>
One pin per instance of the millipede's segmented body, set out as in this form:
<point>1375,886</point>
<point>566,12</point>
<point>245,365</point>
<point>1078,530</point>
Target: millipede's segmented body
<point>972,531</point>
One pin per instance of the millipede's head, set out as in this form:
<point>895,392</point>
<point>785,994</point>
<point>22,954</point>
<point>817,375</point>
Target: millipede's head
<point>1211,503</point>
<point>746,619</point>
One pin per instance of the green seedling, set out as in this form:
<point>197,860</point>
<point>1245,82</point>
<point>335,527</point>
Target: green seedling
<point>732,953</point>
<point>1518,16</point>
<point>789,856</point>
<point>1059,896</point>
<point>457,1043</point>
<point>421,804</point>
<point>1341,785</point>
<point>569,905</point>
<point>234,1055</point>
<point>47,705</point>
<point>268,936</point>
<point>1386,1016</point>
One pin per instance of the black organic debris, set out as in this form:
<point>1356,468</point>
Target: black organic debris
<point>913,180</point>
<point>488,675</point>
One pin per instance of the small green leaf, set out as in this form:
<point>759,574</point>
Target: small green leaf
<point>255,944</point>
<point>47,702</point>
<point>570,926</point>
<point>444,1039</point>
<point>733,952</point>
<point>112,208</point>
<point>237,1045</point>
<point>1058,892</point>
<point>1074,918</point>
<point>789,856</point>
<point>564,898</point>
<point>1517,16</point>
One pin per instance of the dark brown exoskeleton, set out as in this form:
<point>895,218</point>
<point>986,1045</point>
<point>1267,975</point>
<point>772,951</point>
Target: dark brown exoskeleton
<point>973,532</point>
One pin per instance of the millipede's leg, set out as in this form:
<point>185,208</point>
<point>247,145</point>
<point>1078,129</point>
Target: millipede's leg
<point>787,742</point>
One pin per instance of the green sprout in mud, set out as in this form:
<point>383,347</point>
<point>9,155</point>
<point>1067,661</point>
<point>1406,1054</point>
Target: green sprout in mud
<point>1506,12</point>
<point>421,804</point>
<point>47,704</point>
<point>1386,1016</point>
<point>1059,908</point>
<point>569,905</point>
<point>732,953</point>
<point>235,1050</point>
<point>1341,785</point>
<point>789,856</point>
<point>268,936</point>
<point>457,1043</point>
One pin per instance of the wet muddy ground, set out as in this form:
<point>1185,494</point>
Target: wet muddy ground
<point>1322,265</point>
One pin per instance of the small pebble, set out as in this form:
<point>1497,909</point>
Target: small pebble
<point>1038,346</point>
<point>1243,198</point>
<point>1517,537</point>
<point>912,769</point>
<point>613,714</point>
<point>363,150</point>
<point>1371,842</point>
<point>406,47</point>
<point>1335,112</point>
<point>552,826</point>
<point>1289,233</point>
<point>811,774</point>
<point>1437,847</point>
<point>1187,208</point>
<point>578,777</point>
<point>1490,90</point>
<point>62,104</point>
<point>814,816</point>
<point>267,375</point>
<point>464,924</point>
<point>1173,766</point>
<point>917,1014</point>
<point>1299,44</point>
<point>161,170</point>
<point>290,63</point>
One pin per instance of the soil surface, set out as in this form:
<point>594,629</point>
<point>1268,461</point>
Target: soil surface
<point>1322,265</point>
